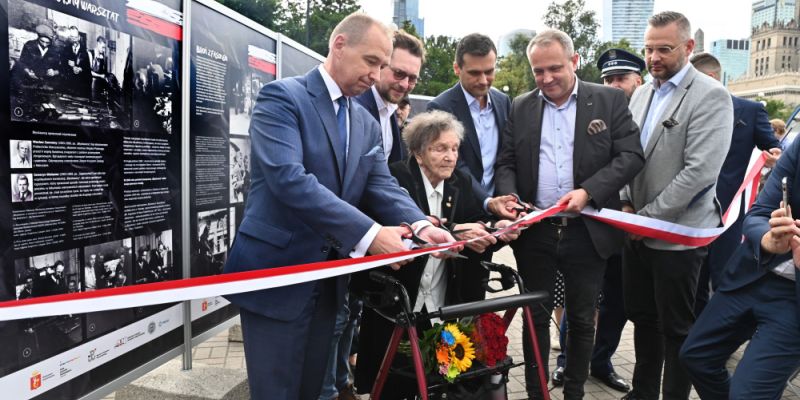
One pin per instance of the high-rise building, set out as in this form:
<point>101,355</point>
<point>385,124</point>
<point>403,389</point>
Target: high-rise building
<point>408,10</point>
<point>772,12</point>
<point>734,56</point>
<point>504,44</point>
<point>699,41</point>
<point>626,19</point>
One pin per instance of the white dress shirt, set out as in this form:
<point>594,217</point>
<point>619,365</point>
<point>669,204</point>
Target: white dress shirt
<point>385,111</point>
<point>433,283</point>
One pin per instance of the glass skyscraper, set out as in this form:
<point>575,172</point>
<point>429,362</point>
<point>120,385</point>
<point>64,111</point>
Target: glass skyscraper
<point>408,10</point>
<point>772,12</point>
<point>626,19</point>
<point>734,55</point>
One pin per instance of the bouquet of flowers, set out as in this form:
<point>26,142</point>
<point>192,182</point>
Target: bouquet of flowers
<point>450,348</point>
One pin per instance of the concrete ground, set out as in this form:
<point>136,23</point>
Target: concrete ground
<point>219,370</point>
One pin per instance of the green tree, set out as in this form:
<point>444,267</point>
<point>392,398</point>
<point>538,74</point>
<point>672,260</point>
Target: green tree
<point>776,108</point>
<point>410,28</point>
<point>261,11</point>
<point>437,72</point>
<point>323,16</point>
<point>514,69</point>
<point>579,24</point>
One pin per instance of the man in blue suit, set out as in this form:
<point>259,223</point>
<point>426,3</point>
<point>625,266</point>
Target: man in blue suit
<point>751,129</point>
<point>758,300</point>
<point>318,171</point>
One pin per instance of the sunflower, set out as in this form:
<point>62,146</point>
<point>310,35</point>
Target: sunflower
<point>462,353</point>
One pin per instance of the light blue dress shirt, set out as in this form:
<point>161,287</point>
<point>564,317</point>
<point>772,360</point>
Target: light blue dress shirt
<point>662,94</point>
<point>556,150</point>
<point>488,137</point>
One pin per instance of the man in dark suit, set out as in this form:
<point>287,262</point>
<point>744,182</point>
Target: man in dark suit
<point>758,299</point>
<point>572,143</point>
<point>483,111</point>
<point>76,66</point>
<point>318,171</point>
<point>751,128</point>
<point>396,82</point>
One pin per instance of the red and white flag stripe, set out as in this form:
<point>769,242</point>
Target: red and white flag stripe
<point>219,285</point>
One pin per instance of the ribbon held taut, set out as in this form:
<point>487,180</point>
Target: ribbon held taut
<point>220,285</point>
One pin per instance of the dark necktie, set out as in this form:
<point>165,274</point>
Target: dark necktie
<point>341,123</point>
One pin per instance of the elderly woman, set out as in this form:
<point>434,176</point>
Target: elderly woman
<point>440,190</point>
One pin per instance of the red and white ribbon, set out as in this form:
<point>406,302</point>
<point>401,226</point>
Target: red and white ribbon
<point>220,285</point>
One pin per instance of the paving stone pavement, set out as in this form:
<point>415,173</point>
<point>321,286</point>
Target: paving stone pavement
<point>220,352</point>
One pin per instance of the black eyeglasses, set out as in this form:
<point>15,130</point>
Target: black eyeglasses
<point>399,75</point>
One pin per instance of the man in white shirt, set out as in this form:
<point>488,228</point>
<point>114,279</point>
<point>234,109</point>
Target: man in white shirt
<point>396,82</point>
<point>21,157</point>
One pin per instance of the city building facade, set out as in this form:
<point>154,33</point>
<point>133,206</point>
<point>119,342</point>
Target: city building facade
<point>408,10</point>
<point>734,55</point>
<point>626,19</point>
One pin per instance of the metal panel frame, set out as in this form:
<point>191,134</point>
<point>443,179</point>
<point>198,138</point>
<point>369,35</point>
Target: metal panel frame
<point>186,348</point>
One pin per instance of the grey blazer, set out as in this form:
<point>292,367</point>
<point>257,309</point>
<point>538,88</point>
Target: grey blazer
<point>683,155</point>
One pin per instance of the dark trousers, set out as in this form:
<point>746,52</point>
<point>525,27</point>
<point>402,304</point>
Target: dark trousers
<point>659,289</point>
<point>610,322</point>
<point>540,251</point>
<point>286,360</point>
<point>719,252</point>
<point>768,308</point>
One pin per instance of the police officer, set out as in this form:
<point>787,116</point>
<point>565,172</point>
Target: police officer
<point>621,69</point>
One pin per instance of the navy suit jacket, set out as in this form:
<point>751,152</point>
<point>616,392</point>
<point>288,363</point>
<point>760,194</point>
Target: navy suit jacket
<point>751,128</point>
<point>749,264</point>
<point>399,153</point>
<point>304,198</point>
<point>469,153</point>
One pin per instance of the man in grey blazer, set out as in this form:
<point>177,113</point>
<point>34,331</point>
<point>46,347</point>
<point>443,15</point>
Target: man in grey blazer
<point>686,119</point>
<point>574,143</point>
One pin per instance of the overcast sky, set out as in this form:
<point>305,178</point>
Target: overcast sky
<point>729,19</point>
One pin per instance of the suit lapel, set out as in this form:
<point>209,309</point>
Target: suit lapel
<point>499,118</point>
<point>536,111</point>
<point>674,102</point>
<point>358,133</point>
<point>464,115</point>
<point>419,194</point>
<point>583,115</point>
<point>324,108</point>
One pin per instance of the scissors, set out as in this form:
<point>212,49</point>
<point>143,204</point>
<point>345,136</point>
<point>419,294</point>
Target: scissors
<point>441,224</point>
<point>525,207</point>
<point>421,243</point>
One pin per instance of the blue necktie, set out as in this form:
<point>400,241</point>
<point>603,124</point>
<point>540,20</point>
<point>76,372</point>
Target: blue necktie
<point>341,123</point>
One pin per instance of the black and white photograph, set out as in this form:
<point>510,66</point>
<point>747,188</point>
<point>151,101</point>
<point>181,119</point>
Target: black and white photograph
<point>107,265</point>
<point>239,169</point>
<point>212,242</point>
<point>66,70</point>
<point>244,83</point>
<point>153,87</point>
<point>21,188</point>
<point>47,275</point>
<point>153,258</point>
<point>20,153</point>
